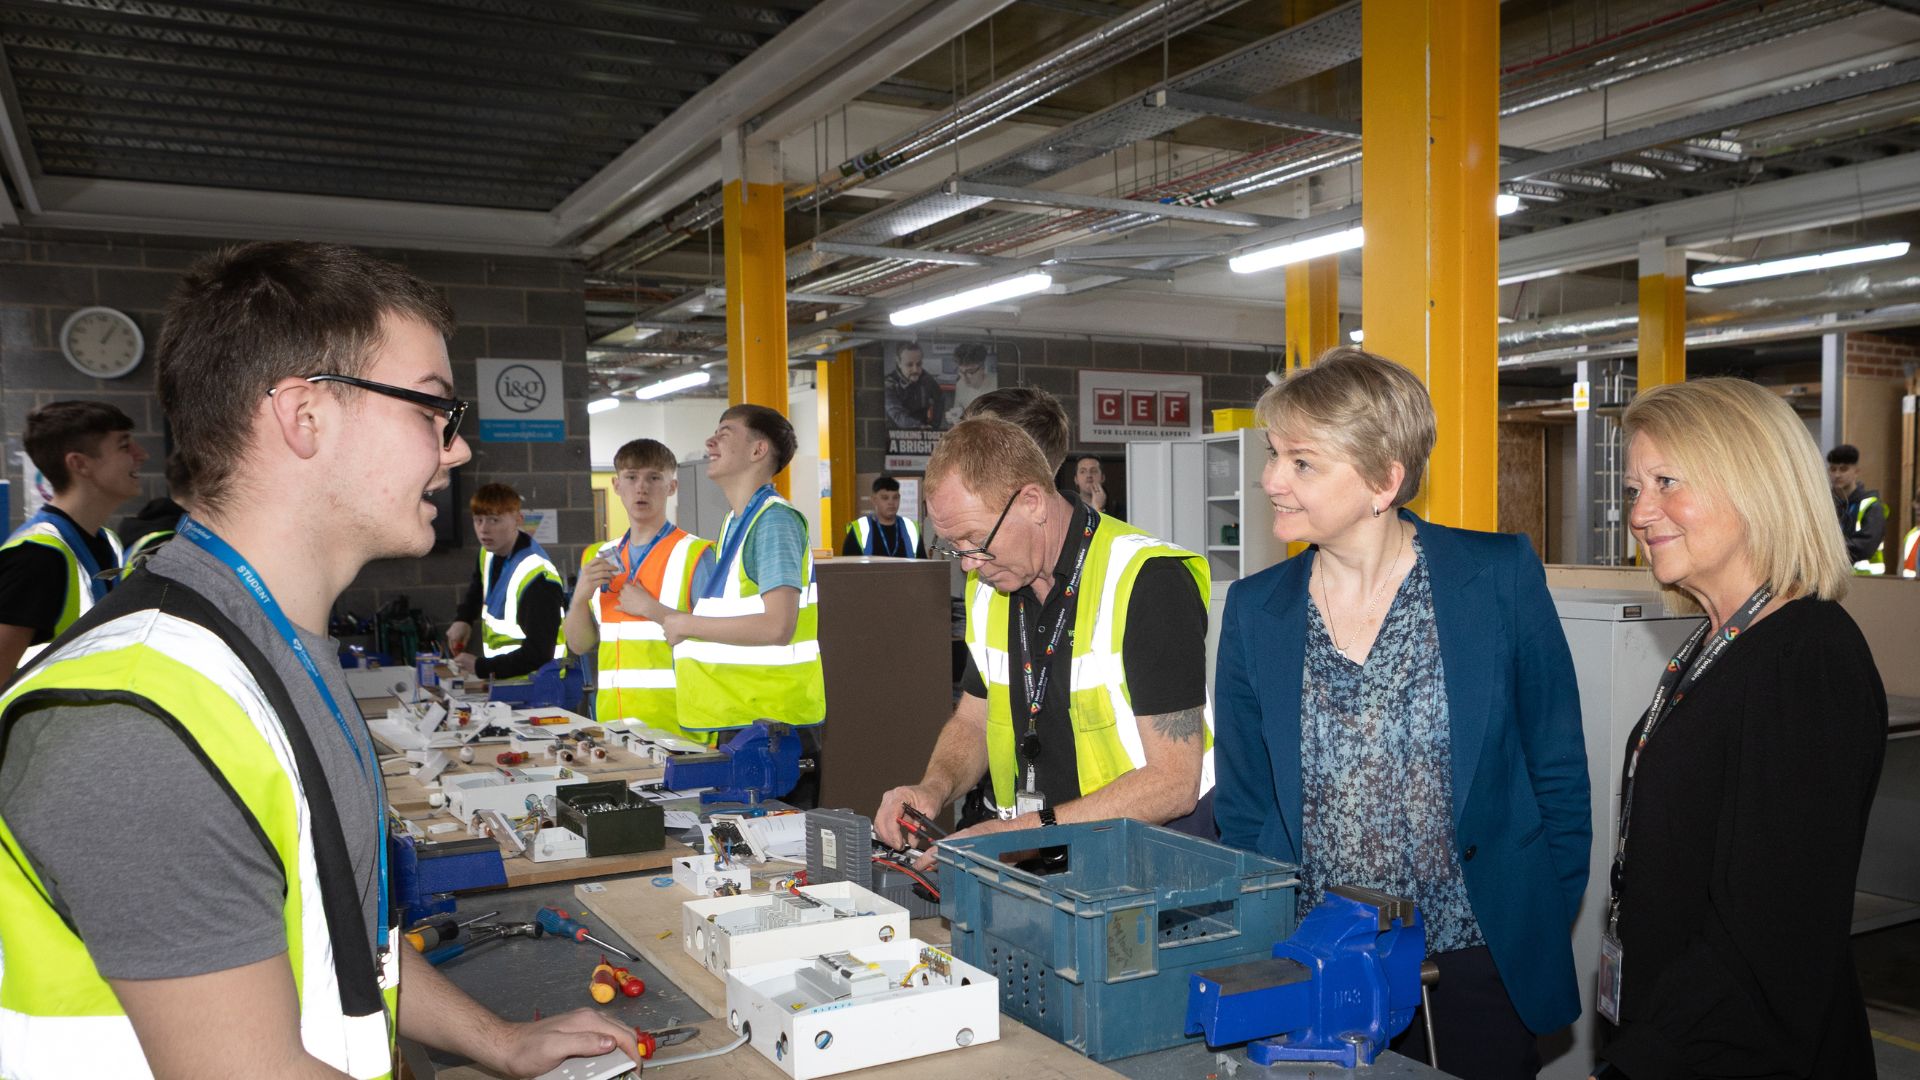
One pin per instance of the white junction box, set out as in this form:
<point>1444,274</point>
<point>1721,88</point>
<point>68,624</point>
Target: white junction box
<point>738,931</point>
<point>699,875</point>
<point>470,793</point>
<point>869,1005</point>
<point>556,843</point>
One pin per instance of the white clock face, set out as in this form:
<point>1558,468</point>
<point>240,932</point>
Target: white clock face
<point>102,342</point>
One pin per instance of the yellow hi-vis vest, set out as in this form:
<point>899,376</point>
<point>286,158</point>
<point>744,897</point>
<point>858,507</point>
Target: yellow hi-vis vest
<point>79,589</point>
<point>728,686</point>
<point>500,631</point>
<point>1106,735</point>
<point>1910,553</point>
<point>1874,564</point>
<point>865,527</point>
<point>58,1016</point>
<point>635,678</point>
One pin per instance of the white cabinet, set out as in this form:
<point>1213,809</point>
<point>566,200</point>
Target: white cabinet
<point>1204,494</point>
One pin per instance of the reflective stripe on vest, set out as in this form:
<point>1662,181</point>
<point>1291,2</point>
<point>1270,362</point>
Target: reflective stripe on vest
<point>1106,733</point>
<point>142,548</point>
<point>1874,564</point>
<point>501,634</point>
<point>58,1016</point>
<point>729,686</point>
<point>79,589</point>
<point>865,528</point>
<point>635,679</point>
<point>1910,550</point>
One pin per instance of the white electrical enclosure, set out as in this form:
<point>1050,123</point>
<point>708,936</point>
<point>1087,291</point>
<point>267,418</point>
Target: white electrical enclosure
<point>701,876</point>
<point>470,793</point>
<point>739,931</point>
<point>817,1016</point>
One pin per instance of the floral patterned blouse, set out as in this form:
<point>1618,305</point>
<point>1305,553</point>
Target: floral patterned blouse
<point>1376,768</point>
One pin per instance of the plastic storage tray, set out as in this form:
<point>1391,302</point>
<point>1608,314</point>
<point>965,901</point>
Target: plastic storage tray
<point>1094,950</point>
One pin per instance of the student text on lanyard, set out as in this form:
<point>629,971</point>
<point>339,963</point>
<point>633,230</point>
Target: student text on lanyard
<point>208,541</point>
<point>628,562</point>
<point>733,537</point>
<point>1028,798</point>
<point>1682,672</point>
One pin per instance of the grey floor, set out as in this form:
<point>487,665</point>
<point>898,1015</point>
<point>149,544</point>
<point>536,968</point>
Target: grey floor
<point>1889,965</point>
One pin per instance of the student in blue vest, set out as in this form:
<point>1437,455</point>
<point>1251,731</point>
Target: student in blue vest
<point>884,532</point>
<point>60,561</point>
<point>225,909</point>
<point>516,595</point>
<point>750,648</point>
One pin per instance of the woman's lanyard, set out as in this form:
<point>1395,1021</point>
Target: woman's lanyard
<point>1036,685</point>
<point>733,537</point>
<point>629,562</point>
<point>1682,672</point>
<point>212,544</point>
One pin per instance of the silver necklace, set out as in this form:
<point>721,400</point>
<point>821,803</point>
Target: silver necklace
<point>1326,606</point>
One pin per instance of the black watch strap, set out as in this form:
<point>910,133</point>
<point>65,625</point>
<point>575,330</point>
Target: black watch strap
<point>1046,817</point>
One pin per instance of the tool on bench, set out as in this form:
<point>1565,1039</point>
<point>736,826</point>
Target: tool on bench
<point>761,762</point>
<point>441,932</point>
<point>603,987</point>
<point>920,825</point>
<point>1338,990</point>
<point>482,935</point>
<point>558,923</point>
<point>652,1042</point>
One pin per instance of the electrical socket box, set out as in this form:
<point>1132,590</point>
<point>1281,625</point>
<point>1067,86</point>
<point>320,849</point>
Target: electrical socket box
<point>470,793</point>
<point>555,843</point>
<point>865,1006</point>
<point>737,931</point>
<point>700,874</point>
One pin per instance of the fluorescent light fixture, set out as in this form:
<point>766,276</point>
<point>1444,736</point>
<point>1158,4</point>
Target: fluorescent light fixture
<point>1504,204</point>
<point>674,385</point>
<point>1356,336</point>
<point>1799,264</point>
<point>1295,251</point>
<point>602,405</point>
<point>991,293</point>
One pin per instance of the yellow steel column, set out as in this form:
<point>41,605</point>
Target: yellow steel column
<point>1313,310</point>
<point>1663,314</point>
<point>754,226</point>
<point>1430,133</point>
<point>833,392</point>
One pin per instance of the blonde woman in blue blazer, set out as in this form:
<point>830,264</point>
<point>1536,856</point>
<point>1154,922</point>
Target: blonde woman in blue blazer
<point>1396,708</point>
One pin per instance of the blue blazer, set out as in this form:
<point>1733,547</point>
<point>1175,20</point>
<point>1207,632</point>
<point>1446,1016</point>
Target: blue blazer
<point>1520,810</point>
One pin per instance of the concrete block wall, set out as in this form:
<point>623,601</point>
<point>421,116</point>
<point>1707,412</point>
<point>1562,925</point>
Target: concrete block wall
<point>528,309</point>
<point>1230,378</point>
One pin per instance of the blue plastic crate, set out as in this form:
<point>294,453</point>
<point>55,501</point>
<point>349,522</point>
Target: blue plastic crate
<point>1095,953</point>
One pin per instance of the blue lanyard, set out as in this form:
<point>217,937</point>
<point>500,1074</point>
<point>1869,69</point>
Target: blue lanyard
<point>629,562</point>
<point>76,542</point>
<point>733,537</point>
<point>205,538</point>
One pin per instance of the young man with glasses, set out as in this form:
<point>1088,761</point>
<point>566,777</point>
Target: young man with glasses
<point>226,910</point>
<point>63,559</point>
<point>634,664</point>
<point>1085,695</point>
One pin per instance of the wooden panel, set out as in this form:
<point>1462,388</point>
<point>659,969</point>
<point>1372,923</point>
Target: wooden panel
<point>1523,483</point>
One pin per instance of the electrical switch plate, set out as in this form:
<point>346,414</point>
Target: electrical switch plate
<point>818,1016</point>
<point>736,931</point>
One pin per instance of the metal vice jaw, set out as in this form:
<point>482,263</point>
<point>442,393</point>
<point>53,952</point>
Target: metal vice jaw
<point>1345,984</point>
<point>760,762</point>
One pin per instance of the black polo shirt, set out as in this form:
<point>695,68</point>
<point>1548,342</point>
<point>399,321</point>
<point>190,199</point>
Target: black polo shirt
<point>1164,650</point>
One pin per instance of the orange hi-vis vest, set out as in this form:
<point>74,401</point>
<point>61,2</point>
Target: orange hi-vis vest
<point>634,662</point>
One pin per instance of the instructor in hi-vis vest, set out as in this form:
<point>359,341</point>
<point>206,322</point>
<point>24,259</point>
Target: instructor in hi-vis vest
<point>750,649</point>
<point>1085,696</point>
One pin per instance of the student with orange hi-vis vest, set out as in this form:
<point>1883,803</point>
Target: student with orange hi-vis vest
<point>634,662</point>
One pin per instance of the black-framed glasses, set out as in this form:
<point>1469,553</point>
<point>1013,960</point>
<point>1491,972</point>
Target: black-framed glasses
<point>980,553</point>
<point>454,409</point>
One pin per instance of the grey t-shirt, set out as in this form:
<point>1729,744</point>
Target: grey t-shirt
<point>161,873</point>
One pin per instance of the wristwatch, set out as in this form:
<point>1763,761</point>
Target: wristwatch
<point>1046,817</point>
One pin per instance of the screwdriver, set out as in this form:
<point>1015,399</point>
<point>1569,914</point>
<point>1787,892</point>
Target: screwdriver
<point>442,932</point>
<point>482,936</point>
<point>558,922</point>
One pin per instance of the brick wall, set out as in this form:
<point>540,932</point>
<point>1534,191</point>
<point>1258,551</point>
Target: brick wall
<point>1882,356</point>
<point>1230,378</point>
<point>526,309</point>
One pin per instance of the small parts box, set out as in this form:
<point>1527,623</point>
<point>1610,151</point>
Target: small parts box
<point>699,875</point>
<point>612,819</point>
<point>736,931</point>
<point>820,1015</point>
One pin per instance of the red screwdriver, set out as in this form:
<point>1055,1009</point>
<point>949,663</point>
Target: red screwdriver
<point>557,921</point>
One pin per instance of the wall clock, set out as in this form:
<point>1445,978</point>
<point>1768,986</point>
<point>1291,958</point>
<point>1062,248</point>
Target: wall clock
<point>102,342</point>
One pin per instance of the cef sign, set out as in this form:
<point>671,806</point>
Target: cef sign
<point>1120,406</point>
<point>521,401</point>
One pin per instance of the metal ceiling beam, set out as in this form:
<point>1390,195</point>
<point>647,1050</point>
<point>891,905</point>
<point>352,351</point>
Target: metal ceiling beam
<point>1071,201</point>
<point>915,255</point>
<point>1835,196</point>
<point>16,150</point>
<point>1261,114</point>
<point>1714,121</point>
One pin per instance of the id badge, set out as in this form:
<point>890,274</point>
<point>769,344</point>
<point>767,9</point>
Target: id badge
<point>1028,802</point>
<point>1607,999</point>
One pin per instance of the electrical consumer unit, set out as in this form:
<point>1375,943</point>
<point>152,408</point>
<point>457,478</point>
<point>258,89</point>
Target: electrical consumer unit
<point>738,931</point>
<point>869,1005</point>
